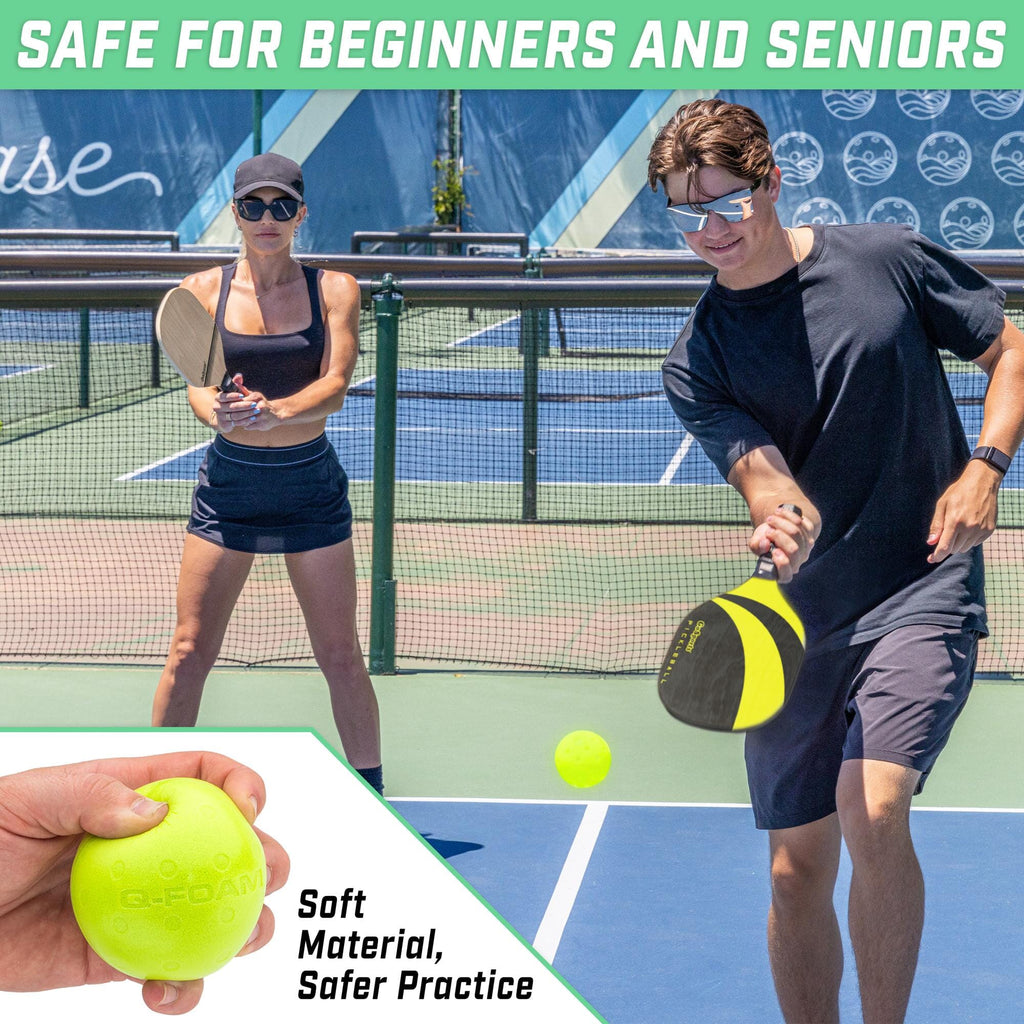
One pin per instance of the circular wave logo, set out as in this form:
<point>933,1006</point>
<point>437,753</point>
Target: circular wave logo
<point>966,223</point>
<point>894,210</point>
<point>1008,158</point>
<point>922,104</point>
<point>944,158</point>
<point>1018,225</point>
<point>848,104</point>
<point>997,104</point>
<point>870,158</point>
<point>799,156</point>
<point>819,210</point>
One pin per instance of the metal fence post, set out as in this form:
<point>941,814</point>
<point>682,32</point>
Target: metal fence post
<point>387,307</point>
<point>84,358</point>
<point>530,343</point>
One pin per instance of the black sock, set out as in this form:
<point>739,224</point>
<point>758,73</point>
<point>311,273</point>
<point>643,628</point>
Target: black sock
<point>374,776</point>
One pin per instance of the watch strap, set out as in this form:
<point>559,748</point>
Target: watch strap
<point>993,456</point>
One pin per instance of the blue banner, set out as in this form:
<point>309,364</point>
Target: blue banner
<point>568,168</point>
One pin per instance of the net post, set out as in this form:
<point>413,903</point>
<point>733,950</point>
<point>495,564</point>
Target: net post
<point>387,308</point>
<point>83,358</point>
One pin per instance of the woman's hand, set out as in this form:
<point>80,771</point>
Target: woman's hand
<point>242,410</point>
<point>43,815</point>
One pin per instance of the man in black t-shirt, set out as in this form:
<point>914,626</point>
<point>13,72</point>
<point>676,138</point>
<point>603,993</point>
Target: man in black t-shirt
<point>810,372</point>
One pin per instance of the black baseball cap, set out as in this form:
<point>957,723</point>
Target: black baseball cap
<point>268,169</point>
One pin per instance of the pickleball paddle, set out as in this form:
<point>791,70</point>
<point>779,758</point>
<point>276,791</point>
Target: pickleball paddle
<point>733,661</point>
<point>191,341</point>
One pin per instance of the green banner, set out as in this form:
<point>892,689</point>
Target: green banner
<point>557,44</point>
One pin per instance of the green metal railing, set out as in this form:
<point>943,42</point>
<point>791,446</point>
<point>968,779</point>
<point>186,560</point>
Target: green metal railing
<point>387,308</point>
<point>533,297</point>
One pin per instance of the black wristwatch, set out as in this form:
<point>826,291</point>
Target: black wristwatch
<point>993,456</point>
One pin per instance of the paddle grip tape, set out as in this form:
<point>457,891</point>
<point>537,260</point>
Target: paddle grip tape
<point>765,568</point>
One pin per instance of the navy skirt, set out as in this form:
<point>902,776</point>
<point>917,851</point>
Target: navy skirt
<point>271,500</point>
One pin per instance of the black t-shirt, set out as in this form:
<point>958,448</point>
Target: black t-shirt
<point>837,364</point>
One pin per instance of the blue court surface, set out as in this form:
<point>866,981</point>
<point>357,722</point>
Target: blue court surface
<point>603,439</point>
<point>655,913</point>
<point>479,439</point>
<point>590,330</point>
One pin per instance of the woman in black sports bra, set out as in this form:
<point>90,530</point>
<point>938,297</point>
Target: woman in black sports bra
<point>271,481</point>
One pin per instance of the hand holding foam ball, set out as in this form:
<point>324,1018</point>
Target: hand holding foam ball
<point>175,903</point>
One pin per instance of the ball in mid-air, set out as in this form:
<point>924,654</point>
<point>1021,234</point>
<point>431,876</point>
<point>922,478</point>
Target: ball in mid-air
<point>583,758</point>
<point>179,901</point>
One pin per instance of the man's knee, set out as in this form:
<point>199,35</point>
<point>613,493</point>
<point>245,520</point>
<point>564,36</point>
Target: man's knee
<point>804,863</point>
<point>873,802</point>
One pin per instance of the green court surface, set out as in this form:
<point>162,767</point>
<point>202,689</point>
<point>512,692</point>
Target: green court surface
<point>493,735</point>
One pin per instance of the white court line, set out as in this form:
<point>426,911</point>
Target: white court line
<point>677,460</point>
<point>552,925</point>
<point>460,430</point>
<point>21,373</point>
<point>715,805</point>
<point>536,801</point>
<point>972,810</point>
<point>483,330</point>
<point>161,462</point>
<point>607,430</point>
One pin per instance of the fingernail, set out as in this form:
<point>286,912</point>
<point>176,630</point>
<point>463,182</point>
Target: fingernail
<point>146,808</point>
<point>252,938</point>
<point>255,805</point>
<point>170,995</point>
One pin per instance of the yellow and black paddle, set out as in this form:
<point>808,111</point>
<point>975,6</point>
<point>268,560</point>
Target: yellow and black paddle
<point>734,660</point>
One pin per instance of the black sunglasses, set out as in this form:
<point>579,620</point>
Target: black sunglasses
<point>280,209</point>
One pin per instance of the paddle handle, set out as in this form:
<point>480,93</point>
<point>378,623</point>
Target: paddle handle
<point>765,568</point>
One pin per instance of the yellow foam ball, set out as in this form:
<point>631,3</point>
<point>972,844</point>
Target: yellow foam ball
<point>179,901</point>
<point>583,758</point>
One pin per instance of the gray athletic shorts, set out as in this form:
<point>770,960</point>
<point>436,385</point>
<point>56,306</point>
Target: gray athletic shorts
<point>893,699</point>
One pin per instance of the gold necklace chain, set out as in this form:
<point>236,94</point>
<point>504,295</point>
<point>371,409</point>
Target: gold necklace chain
<point>794,246</point>
<point>266,291</point>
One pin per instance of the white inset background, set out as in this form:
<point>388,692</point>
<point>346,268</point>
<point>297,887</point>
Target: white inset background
<point>338,836</point>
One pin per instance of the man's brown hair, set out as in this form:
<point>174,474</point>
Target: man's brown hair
<point>711,133</point>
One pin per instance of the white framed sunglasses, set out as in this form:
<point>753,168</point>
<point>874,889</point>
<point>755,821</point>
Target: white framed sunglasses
<point>734,207</point>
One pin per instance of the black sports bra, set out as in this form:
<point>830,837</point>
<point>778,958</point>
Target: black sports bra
<point>275,364</point>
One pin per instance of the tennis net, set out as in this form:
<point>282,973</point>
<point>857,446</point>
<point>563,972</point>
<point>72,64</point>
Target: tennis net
<point>544,509</point>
